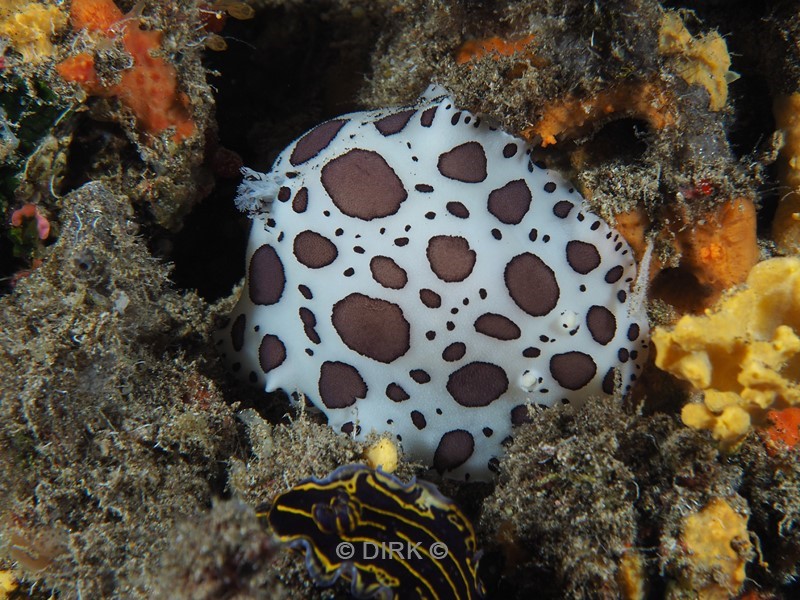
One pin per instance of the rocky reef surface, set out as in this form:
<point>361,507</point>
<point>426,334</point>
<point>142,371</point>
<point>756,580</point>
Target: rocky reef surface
<point>132,464</point>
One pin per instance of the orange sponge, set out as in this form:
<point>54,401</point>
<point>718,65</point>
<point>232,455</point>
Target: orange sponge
<point>784,429</point>
<point>494,46</point>
<point>79,69</point>
<point>94,15</point>
<point>149,87</point>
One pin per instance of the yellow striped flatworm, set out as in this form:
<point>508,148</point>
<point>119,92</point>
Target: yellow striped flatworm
<point>390,539</point>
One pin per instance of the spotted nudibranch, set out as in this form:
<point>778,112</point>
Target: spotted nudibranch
<point>410,270</point>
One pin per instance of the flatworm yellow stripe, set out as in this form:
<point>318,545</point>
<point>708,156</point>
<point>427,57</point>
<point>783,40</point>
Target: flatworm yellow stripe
<point>392,530</point>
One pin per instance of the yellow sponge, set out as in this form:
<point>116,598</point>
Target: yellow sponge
<point>701,61</point>
<point>717,547</point>
<point>29,26</point>
<point>744,354</point>
<point>383,454</point>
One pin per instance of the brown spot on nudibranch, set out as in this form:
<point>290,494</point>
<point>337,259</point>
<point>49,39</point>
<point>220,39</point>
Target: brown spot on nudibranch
<point>362,185</point>
<point>266,277</point>
<point>388,273</point>
<point>532,284</point>
<point>457,209</point>
<point>450,257</point>
<point>466,163</point>
<point>509,150</point>
<point>454,449</point>
<point>609,379</point>
<point>511,202</point>
<point>582,257</point>
<point>430,298</point>
<point>396,393</point>
<point>572,370</point>
<point>372,327</point>
<point>309,323</point>
<point>300,201</point>
<point>426,119</point>
<point>562,208</point>
<point>315,141</point>
<point>497,326</point>
<point>392,124</point>
<point>418,419</point>
<point>340,384</point>
<point>520,415</point>
<point>314,250</point>
<point>602,324</point>
<point>613,274</point>
<point>420,376</point>
<point>237,332</point>
<point>304,289</point>
<point>271,353</point>
<point>477,384</point>
<point>454,352</point>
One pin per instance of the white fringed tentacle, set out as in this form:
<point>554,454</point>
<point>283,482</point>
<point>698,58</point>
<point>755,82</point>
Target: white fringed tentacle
<point>256,193</point>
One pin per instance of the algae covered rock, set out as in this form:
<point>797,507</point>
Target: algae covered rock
<point>107,433</point>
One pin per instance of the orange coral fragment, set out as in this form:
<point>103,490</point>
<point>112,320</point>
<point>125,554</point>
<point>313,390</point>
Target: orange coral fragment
<point>785,428</point>
<point>570,116</point>
<point>494,46</point>
<point>149,88</point>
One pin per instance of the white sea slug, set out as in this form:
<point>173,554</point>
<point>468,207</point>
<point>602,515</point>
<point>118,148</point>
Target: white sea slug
<point>410,270</point>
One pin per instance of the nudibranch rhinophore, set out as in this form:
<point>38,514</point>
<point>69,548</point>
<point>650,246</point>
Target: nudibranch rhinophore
<point>410,270</point>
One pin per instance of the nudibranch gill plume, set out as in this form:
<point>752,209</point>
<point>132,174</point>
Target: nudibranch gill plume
<point>410,270</point>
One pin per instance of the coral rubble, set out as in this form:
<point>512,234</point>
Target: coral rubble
<point>586,491</point>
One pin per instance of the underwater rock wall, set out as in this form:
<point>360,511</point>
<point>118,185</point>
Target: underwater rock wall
<point>131,461</point>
